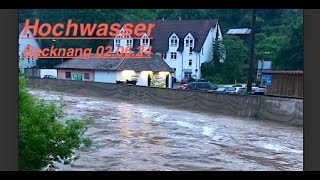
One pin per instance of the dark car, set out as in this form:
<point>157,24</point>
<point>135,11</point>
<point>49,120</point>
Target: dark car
<point>206,86</point>
<point>187,80</point>
<point>49,77</point>
<point>201,80</point>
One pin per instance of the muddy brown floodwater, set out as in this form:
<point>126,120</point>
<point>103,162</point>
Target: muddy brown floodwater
<point>134,137</point>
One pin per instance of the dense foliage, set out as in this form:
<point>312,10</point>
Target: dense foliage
<point>279,32</point>
<point>44,137</point>
<point>234,67</point>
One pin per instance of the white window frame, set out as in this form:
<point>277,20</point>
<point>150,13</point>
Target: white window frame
<point>129,42</point>
<point>174,41</point>
<point>190,50</point>
<point>191,44</point>
<point>117,42</point>
<point>187,74</point>
<point>119,37</point>
<point>173,56</point>
<point>164,55</point>
<point>188,40</point>
<point>145,42</point>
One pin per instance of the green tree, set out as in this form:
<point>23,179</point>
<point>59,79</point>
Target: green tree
<point>49,63</point>
<point>217,49</point>
<point>290,56</point>
<point>237,55</point>
<point>44,137</point>
<point>276,29</point>
<point>233,68</point>
<point>269,47</point>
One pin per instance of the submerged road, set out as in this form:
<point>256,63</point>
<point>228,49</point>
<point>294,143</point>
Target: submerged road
<point>144,137</point>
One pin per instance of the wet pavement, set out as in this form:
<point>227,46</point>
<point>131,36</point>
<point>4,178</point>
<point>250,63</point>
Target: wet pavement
<point>132,137</point>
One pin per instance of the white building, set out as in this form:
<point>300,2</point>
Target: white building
<point>26,62</point>
<point>183,44</point>
<point>152,71</point>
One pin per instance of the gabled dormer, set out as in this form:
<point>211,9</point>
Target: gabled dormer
<point>173,40</point>
<point>121,40</point>
<point>117,40</point>
<point>122,31</point>
<point>189,42</point>
<point>128,39</point>
<point>145,41</point>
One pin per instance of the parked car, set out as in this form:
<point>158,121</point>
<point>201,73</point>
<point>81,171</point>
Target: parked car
<point>242,90</point>
<point>254,88</point>
<point>182,86</point>
<point>132,82</point>
<point>201,80</point>
<point>206,86</point>
<point>49,77</point>
<point>235,90</point>
<point>221,90</point>
<point>187,80</point>
<point>259,91</point>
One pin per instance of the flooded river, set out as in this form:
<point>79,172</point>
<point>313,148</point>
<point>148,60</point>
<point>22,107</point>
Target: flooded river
<point>134,137</point>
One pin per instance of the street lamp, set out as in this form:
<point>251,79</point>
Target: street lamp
<point>53,40</point>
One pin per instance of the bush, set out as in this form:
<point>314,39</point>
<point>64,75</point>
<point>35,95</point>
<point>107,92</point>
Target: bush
<point>43,137</point>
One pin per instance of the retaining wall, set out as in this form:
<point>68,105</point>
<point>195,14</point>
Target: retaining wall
<point>249,106</point>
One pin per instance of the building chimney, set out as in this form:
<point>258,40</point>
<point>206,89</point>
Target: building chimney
<point>162,18</point>
<point>179,18</point>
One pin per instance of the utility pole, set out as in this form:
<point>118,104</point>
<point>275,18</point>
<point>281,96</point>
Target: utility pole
<point>251,58</point>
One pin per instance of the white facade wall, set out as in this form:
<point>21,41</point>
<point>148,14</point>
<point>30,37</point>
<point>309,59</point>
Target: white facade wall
<point>177,64</point>
<point>106,76</point>
<point>143,78</point>
<point>181,63</point>
<point>26,62</point>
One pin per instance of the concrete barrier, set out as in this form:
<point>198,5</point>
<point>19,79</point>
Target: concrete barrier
<point>281,109</point>
<point>249,106</point>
